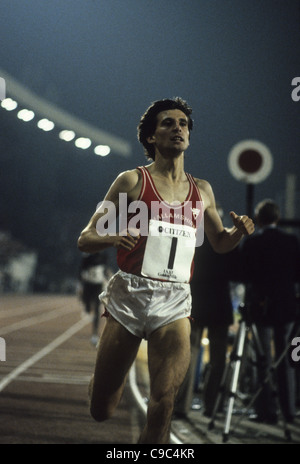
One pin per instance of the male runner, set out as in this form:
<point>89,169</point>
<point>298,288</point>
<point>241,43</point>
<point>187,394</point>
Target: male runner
<point>149,297</point>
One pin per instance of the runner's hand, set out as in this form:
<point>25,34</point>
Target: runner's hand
<point>127,239</point>
<point>243,223</point>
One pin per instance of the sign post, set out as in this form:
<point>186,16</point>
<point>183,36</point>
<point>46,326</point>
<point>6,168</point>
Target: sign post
<point>250,161</point>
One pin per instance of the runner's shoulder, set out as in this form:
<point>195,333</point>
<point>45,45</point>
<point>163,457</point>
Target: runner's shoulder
<point>128,180</point>
<point>203,185</point>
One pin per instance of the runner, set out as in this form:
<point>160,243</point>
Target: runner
<point>149,297</point>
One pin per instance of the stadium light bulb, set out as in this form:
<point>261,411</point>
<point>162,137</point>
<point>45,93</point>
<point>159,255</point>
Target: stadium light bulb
<point>25,115</point>
<point>83,143</point>
<point>9,104</point>
<point>102,150</point>
<point>45,125</point>
<point>67,135</point>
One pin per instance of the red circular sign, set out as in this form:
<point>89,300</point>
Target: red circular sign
<point>250,161</point>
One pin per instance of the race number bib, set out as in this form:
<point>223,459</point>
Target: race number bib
<point>169,251</point>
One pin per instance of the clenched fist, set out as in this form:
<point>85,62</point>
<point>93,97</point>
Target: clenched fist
<point>243,223</point>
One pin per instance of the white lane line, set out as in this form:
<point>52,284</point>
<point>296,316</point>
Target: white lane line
<point>35,320</point>
<point>44,352</point>
<point>7,313</point>
<point>135,390</point>
<point>57,379</point>
<point>29,307</point>
<point>141,402</point>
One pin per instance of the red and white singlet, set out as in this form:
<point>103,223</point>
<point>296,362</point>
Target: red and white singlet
<point>166,251</point>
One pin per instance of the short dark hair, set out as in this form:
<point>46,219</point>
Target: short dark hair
<point>267,212</point>
<point>148,121</point>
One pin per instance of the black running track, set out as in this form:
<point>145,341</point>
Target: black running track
<point>43,382</point>
<point>44,379</point>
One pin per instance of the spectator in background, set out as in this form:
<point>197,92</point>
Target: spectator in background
<point>93,278</point>
<point>270,262</point>
<point>212,309</point>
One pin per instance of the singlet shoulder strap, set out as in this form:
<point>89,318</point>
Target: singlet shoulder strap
<point>148,183</point>
<point>195,186</point>
<point>143,171</point>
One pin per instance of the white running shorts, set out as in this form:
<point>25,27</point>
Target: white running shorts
<point>143,305</point>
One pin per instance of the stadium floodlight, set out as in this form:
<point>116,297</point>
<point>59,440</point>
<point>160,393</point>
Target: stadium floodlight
<point>25,115</point>
<point>83,143</point>
<point>62,119</point>
<point>9,104</point>
<point>66,135</point>
<point>45,124</point>
<point>102,150</point>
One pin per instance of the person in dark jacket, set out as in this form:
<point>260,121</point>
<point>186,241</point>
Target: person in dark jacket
<point>270,260</point>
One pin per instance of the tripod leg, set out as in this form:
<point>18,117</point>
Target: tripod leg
<point>235,377</point>
<point>268,377</point>
<point>225,379</point>
<point>220,395</point>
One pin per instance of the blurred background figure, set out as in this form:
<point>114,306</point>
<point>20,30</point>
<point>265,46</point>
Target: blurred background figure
<point>94,274</point>
<point>212,309</point>
<point>271,261</point>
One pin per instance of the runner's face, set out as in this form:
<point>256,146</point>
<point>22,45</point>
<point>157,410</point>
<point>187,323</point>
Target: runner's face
<point>172,132</point>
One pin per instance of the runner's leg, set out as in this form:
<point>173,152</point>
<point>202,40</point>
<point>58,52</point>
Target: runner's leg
<point>168,358</point>
<point>116,353</point>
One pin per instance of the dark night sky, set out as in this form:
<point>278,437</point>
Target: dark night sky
<point>105,61</point>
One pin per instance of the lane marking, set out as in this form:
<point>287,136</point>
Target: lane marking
<point>35,320</point>
<point>28,307</point>
<point>57,379</point>
<point>44,352</point>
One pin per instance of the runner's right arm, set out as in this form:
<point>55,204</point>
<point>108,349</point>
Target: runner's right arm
<point>90,241</point>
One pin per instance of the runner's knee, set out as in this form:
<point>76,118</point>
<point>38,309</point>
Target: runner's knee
<point>160,410</point>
